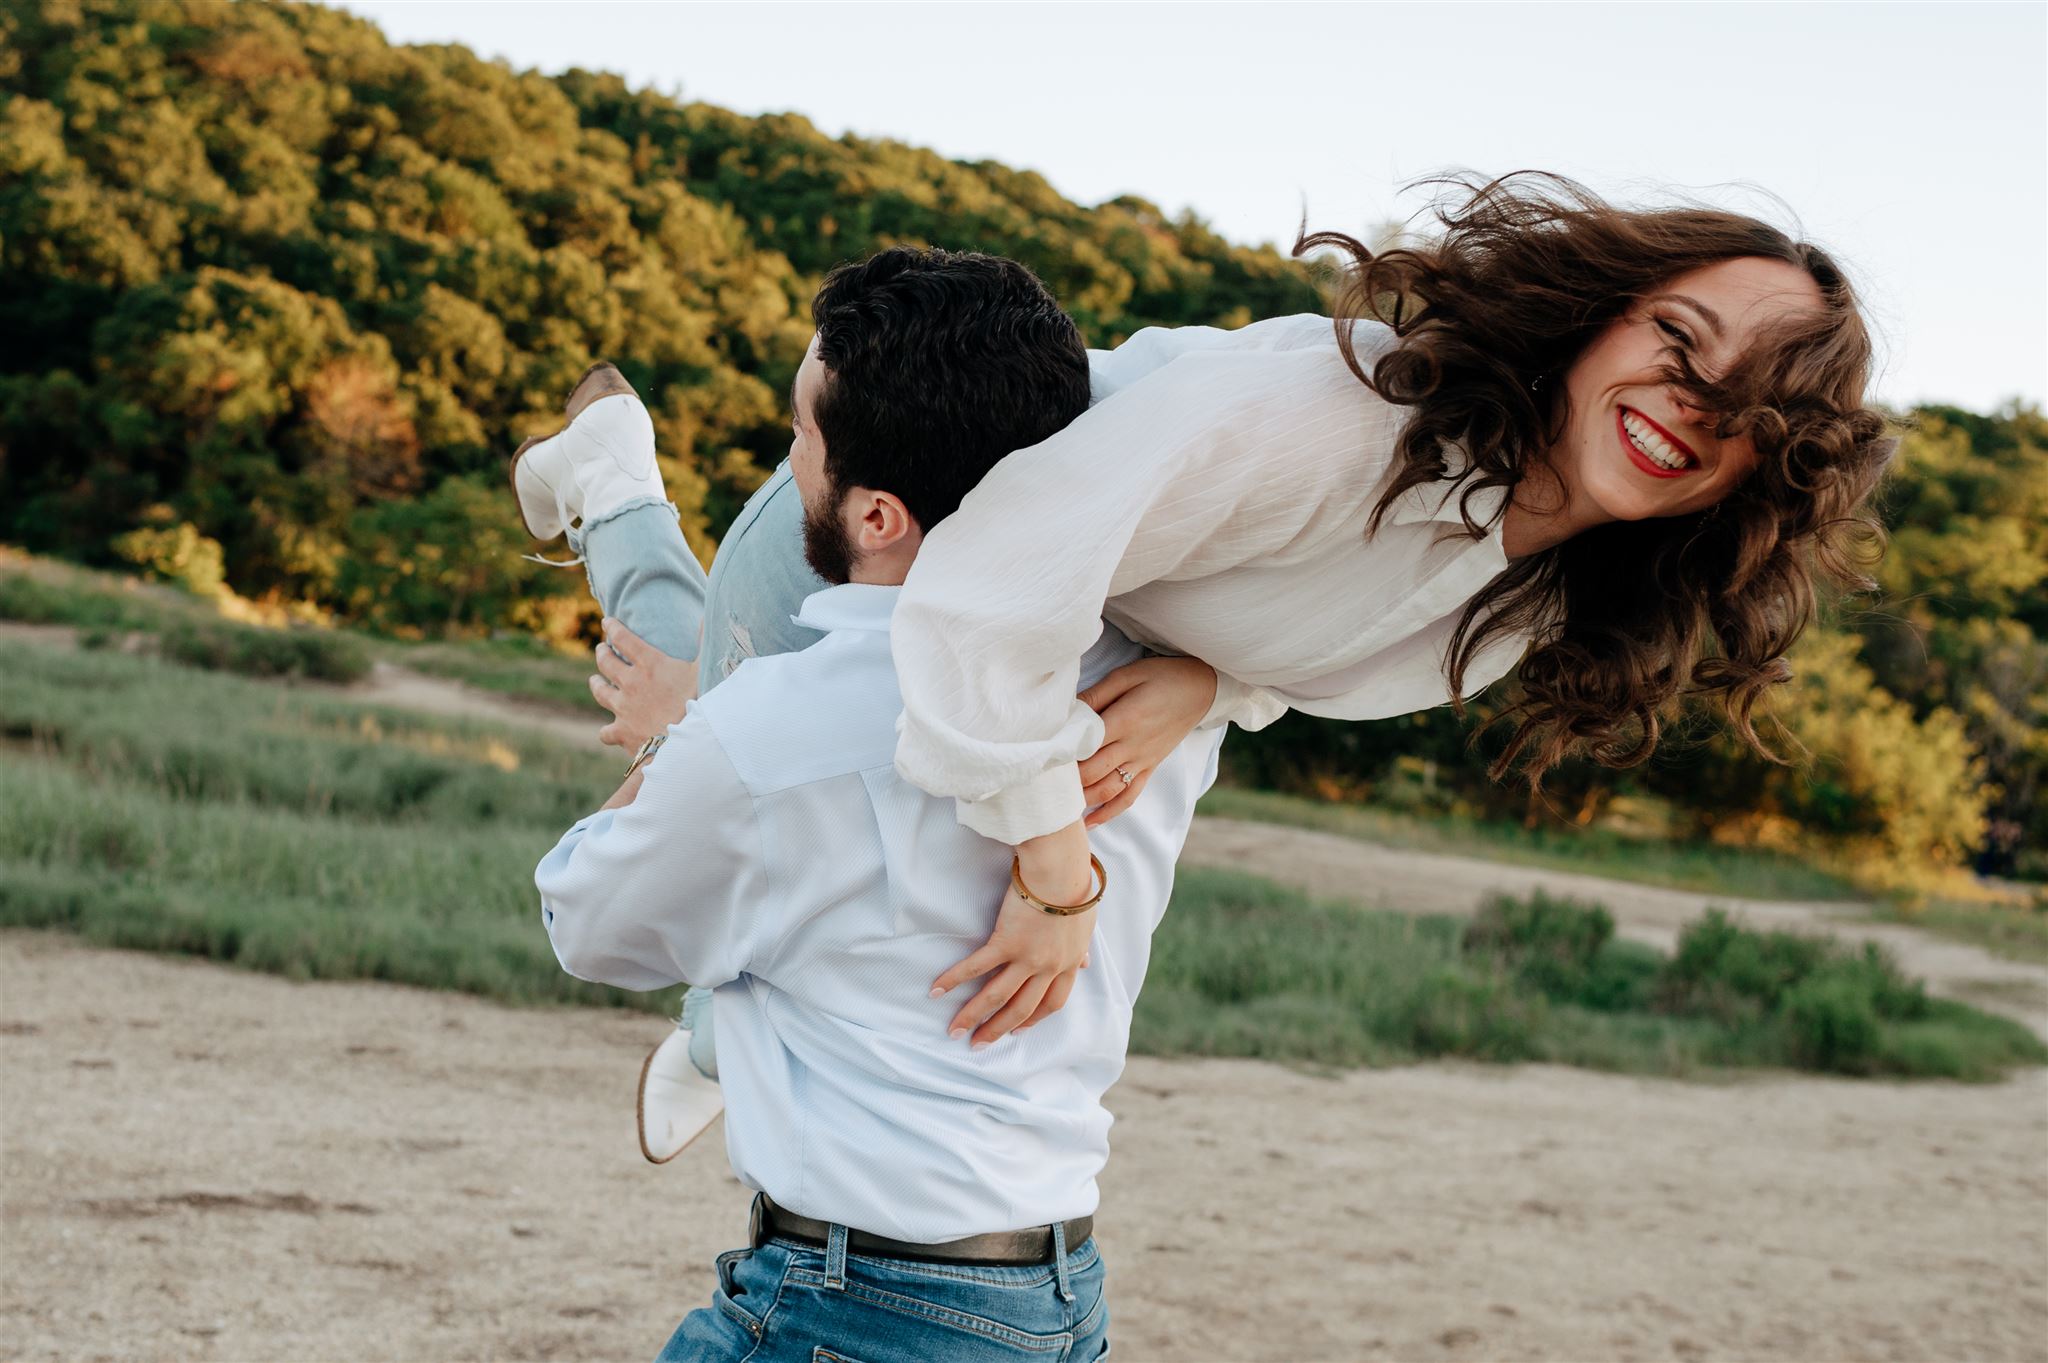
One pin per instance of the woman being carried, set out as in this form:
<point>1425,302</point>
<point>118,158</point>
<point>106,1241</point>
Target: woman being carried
<point>1617,447</point>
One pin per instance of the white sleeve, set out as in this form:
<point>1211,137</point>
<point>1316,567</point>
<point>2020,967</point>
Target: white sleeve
<point>1112,371</point>
<point>1248,707</point>
<point>1210,461</point>
<point>669,888</point>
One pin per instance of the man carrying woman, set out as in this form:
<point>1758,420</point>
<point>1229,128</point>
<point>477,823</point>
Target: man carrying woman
<point>1612,449</point>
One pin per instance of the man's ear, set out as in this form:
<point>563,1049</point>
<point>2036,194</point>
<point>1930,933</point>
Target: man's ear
<point>884,523</point>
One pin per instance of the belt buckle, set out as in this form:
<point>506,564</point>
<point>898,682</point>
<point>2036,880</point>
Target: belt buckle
<point>757,1222</point>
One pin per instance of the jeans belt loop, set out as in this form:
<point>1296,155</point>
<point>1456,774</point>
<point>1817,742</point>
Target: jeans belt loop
<point>757,1222</point>
<point>835,1258</point>
<point>1059,1261</point>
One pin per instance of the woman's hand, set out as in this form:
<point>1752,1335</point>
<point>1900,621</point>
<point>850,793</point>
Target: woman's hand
<point>1031,958</point>
<point>644,688</point>
<point>1147,708</point>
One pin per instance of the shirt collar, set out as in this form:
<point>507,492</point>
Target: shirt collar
<point>1439,499</point>
<point>852,605</point>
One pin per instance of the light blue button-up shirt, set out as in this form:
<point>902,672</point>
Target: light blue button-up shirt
<point>774,853</point>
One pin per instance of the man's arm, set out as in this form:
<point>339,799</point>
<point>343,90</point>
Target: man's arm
<point>667,883</point>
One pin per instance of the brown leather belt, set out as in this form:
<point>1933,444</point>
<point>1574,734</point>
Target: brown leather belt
<point>998,1248</point>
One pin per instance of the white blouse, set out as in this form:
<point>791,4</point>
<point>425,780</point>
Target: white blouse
<point>1212,503</point>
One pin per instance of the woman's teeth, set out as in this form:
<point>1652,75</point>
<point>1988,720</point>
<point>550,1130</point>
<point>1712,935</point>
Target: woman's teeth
<point>1654,446</point>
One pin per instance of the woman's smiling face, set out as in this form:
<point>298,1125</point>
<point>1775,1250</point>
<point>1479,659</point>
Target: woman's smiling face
<point>1633,447</point>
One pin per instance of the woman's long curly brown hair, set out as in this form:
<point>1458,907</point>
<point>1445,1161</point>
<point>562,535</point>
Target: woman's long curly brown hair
<point>1630,616</point>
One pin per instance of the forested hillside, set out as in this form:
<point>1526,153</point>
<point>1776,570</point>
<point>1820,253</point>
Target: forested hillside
<point>269,282</point>
<point>278,297</point>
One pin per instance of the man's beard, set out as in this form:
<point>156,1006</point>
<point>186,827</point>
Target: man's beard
<point>827,547</point>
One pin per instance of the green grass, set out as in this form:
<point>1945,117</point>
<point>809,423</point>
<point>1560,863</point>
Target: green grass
<point>1736,872</point>
<point>51,597</point>
<point>1242,967</point>
<point>164,808</point>
<point>109,609</point>
<point>179,627</point>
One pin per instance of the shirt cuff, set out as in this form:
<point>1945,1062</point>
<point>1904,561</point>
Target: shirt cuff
<point>1044,804</point>
<point>1249,707</point>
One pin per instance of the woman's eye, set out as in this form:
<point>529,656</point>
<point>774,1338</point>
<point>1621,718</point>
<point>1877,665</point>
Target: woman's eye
<point>1674,333</point>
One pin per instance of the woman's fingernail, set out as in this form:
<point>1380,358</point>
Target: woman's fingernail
<point>982,1045</point>
<point>938,991</point>
<point>957,1033</point>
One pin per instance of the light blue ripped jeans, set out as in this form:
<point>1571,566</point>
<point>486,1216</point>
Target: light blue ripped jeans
<point>642,572</point>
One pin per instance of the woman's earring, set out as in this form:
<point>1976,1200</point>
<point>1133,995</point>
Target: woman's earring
<point>1537,382</point>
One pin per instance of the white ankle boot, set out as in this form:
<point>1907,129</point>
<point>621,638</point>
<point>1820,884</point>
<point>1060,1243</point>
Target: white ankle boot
<point>602,460</point>
<point>677,1103</point>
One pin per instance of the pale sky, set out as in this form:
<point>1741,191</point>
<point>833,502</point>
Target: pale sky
<point>1909,139</point>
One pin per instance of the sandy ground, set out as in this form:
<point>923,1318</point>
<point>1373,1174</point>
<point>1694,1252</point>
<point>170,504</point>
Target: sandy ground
<point>201,1163</point>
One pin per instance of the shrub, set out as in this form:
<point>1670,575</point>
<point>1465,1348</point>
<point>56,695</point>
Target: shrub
<point>1733,973</point>
<point>1830,1006</point>
<point>257,652</point>
<point>176,553</point>
<point>1481,1017</point>
<point>1565,951</point>
<point>1561,934</point>
<point>1831,1023</point>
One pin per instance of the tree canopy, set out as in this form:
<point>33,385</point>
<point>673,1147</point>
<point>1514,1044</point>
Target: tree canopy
<point>266,275</point>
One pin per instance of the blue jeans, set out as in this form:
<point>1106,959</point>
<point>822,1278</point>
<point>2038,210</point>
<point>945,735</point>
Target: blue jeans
<point>788,1302</point>
<point>642,572</point>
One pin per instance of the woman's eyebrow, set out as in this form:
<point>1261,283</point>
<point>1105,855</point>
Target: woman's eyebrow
<point>1713,318</point>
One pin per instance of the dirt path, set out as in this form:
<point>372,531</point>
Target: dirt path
<point>404,689</point>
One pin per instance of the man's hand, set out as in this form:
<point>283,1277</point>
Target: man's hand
<point>644,688</point>
<point>1147,708</point>
<point>1032,957</point>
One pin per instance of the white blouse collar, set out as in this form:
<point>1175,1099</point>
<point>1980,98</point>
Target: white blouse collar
<point>1440,499</point>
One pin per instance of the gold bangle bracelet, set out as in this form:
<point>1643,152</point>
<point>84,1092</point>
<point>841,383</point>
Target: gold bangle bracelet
<point>647,750</point>
<point>1061,910</point>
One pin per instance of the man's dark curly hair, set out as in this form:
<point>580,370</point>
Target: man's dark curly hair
<point>939,363</point>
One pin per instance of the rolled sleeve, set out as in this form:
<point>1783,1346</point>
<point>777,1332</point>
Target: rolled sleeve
<point>1050,800</point>
<point>1249,707</point>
